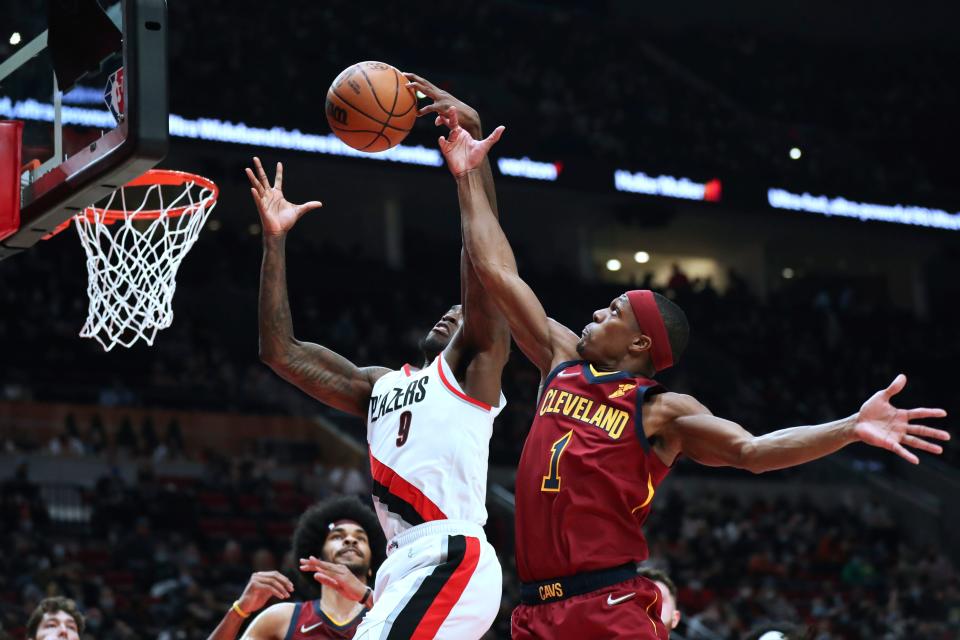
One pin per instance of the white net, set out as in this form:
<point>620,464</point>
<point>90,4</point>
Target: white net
<point>132,263</point>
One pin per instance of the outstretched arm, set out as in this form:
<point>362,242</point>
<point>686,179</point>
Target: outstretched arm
<point>714,441</point>
<point>542,340</point>
<point>316,370</point>
<point>482,345</point>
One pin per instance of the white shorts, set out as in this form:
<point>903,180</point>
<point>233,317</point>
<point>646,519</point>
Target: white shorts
<point>441,579</point>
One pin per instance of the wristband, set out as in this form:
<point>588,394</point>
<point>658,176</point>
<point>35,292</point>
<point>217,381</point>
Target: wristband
<point>240,612</point>
<point>366,596</point>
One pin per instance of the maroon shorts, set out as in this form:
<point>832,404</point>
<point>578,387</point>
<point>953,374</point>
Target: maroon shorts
<point>629,609</point>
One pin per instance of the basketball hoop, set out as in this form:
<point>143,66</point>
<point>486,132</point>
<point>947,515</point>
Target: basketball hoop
<point>133,254</point>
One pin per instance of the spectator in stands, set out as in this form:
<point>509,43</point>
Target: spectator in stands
<point>779,631</point>
<point>678,282</point>
<point>669,614</point>
<point>55,618</point>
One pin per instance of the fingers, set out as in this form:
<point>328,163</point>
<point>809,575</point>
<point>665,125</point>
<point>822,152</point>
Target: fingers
<point>921,413</point>
<point>928,432</point>
<point>308,206</point>
<point>261,174</point>
<point>277,592</point>
<point>325,579</point>
<point>412,77</point>
<point>283,579</point>
<point>423,84</point>
<point>275,585</point>
<point>922,445</point>
<point>257,187</point>
<point>443,121</point>
<point>315,564</point>
<point>433,107</point>
<point>903,453</point>
<point>419,89</point>
<point>278,181</point>
<point>493,138</point>
<point>452,118</point>
<point>446,143</point>
<point>896,386</point>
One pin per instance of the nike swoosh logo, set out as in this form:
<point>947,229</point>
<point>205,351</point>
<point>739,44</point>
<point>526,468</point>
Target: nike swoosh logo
<point>612,601</point>
<point>305,629</point>
<point>568,375</point>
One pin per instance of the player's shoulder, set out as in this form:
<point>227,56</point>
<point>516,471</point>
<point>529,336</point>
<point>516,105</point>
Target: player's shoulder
<point>376,373</point>
<point>274,621</point>
<point>671,405</point>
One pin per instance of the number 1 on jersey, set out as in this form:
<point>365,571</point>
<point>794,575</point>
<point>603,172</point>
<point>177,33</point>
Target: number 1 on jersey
<point>551,481</point>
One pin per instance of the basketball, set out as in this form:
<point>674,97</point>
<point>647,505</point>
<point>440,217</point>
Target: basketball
<point>370,108</point>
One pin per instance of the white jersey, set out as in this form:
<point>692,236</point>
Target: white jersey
<point>429,445</point>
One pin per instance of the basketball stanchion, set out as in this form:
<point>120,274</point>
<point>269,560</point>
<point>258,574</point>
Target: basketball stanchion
<point>133,253</point>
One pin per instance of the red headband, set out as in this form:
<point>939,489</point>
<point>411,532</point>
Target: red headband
<point>651,324</point>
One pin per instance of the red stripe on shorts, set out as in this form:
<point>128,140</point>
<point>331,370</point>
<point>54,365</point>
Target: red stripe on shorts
<point>450,594</point>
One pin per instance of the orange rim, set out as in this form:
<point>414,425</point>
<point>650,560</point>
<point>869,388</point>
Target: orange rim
<point>163,177</point>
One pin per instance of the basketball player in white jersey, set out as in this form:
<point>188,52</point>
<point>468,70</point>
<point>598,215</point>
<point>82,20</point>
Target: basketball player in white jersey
<point>428,431</point>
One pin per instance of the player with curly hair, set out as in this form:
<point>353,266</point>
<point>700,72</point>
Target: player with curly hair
<point>343,535</point>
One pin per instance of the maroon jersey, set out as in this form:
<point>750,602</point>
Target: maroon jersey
<point>309,622</point>
<point>587,474</point>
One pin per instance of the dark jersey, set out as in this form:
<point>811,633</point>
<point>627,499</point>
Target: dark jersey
<point>587,474</point>
<point>309,622</point>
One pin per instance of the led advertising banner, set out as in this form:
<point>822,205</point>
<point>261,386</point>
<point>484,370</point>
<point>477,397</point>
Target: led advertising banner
<point>587,175</point>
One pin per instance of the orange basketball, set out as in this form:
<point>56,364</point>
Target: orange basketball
<point>370,108</point>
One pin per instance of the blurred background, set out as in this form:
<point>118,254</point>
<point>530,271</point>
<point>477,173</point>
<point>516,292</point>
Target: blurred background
<point>149,483</point>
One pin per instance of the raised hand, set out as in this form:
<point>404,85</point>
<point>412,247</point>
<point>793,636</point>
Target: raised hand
<point>276,214</point>
<point>462,151</point>
<point>335,576</point>
<point>442,101</point>
<point>262,586</point>
<point>881,424</point>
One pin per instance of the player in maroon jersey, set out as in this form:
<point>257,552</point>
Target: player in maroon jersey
<point>605,434</point>
<point>339,531</point>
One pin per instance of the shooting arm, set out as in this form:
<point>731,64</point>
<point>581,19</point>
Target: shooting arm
<point>316,370</point>
<point>716,442</point>
<point>485,330</point>
<point>495,266</point>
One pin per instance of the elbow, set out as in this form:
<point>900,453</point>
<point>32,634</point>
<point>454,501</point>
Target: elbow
<point>748,460</point>
<point>484,269</point>
<point>272,359</point>
<point>275,356</point>
<point>493,276</point>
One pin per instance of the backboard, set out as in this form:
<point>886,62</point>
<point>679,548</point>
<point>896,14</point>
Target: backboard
<point>90,86</point>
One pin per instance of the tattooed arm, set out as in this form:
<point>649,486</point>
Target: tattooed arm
<point>316,370</point>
